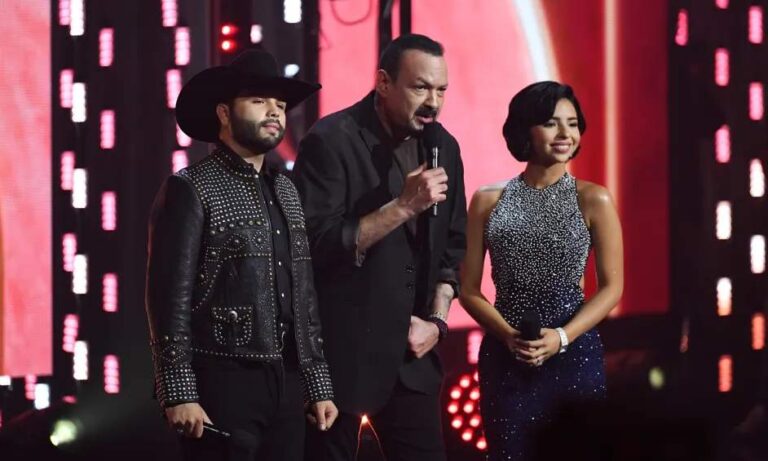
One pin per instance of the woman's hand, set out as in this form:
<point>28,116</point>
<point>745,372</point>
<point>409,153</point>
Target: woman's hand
<point>536,352</point>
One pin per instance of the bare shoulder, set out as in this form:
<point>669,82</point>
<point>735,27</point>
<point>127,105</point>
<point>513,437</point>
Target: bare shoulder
<point>485,198</point>
<point>592,195</point>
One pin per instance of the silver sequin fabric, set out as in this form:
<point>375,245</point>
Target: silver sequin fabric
<point>538,244</point>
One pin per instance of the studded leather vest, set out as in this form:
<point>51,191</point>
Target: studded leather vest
<point>210,277</point>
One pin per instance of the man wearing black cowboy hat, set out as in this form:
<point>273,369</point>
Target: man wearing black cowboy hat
<point>235,332</point>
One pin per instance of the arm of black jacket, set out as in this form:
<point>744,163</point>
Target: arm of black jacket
<point>320,179</point>
<point>175,231</point>
<point>456,243</point>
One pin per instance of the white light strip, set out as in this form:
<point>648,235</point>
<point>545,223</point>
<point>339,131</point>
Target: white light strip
<point>78,102</point>
<point>757,254</point>
<point>723,220</point>
<point>292,11</point>
<point>724,297</point>
<point>106,47</point>
<point>756,178</point>
<point>80,275</point>
<point>80,361</point>
<point>79,188</point>
<point>42,396</point>
<point>182,46</point>
<point>77,18</point>
<point>534,25</point>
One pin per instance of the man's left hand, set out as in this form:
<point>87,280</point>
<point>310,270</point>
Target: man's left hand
<point>422,336</point>
<point>322,414</point>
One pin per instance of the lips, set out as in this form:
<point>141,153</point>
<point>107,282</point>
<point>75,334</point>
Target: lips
<point>561,148</point>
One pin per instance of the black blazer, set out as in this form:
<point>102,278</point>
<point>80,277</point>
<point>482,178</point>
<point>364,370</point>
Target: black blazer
<point>343,172</point>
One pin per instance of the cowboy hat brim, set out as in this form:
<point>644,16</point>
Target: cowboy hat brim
<point>197,101</point>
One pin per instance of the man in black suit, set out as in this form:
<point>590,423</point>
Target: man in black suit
<point>385,269</point>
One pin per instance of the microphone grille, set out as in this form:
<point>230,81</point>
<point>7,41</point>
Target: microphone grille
<point>431,135</point>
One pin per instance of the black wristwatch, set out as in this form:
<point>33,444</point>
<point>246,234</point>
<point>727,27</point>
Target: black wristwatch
<point>442,326</point>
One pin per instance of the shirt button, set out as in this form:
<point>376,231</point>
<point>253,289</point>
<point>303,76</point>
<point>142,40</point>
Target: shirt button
<point>280,263</point>
<point>271,202</point>
<point>277,232</point>
<point>282,295</point>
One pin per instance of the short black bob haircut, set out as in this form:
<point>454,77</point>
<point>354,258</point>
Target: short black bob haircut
<point>390,57</point>
<point>534,105</point>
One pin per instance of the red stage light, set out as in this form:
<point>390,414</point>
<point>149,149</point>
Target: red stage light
<point>106,47</point>
<point>722,4</point>
<point>109,211</point>
<point>228,30</point>
<point>722,67</point>
<point>29,386</point>
<point>456,393</point>
<point>67,169</point>
<point>723,144</point>
<point>681,35</point>
<point>453,408</point>
<point>756,101</point>
<point>465,381</point>
<point>725,373</point>
<point>475,421</point>
<point>71,329</point>
<point>68,250</point>
<point>758,331</point>
<point>475,394</point>
<point>457,422</point>
<point>107,129</point>
<point>109,294</point>
<point>467,435</point>
<point>228,46</point>
<point>469,407</point>
<point>481,444</point>
<point>111,374</point>
<point>66,80</point>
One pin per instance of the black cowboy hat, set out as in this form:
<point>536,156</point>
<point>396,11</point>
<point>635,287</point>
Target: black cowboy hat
<point>251,70</point>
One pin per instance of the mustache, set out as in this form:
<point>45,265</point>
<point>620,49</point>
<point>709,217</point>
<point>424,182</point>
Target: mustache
<point>271,121</point>
<point>426,112</point>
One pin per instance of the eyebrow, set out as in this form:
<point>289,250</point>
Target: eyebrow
<point>421,80</point>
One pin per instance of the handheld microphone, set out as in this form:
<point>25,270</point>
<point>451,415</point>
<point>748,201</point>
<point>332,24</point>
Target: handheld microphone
<point>530,325</point>
<point>431,136</point>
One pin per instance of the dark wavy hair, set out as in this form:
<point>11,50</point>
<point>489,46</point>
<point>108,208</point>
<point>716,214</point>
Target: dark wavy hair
<point>531,106</point>
<point>390,57</point>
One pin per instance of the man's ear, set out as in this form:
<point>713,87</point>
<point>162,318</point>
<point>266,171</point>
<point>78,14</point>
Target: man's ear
<point>222,111</point>
<point>383,82</point>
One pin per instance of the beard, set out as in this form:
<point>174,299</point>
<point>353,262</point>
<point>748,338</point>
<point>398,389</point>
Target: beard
<point>415,126</point>
<point>247,134</point>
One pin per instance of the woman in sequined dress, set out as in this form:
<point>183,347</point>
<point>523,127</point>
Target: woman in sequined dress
<point>538,229</point>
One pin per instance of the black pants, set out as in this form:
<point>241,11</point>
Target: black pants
<point>408,428</point>
<point>259,404</point>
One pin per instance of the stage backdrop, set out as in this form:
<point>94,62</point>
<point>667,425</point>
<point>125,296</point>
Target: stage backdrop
<point>25,189</point>
<point>612,52</point>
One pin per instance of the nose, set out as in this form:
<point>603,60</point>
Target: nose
<point>272,109</point>
<point>433,100</point>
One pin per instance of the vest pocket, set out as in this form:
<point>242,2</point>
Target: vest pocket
<point>232,325</point>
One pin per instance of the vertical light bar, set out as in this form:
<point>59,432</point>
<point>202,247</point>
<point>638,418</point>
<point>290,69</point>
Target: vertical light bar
<point>256,33</point>
<point>71,330</point>
<point>29,386</point>
<point>78,102</point>
<point>681,33</point>
<point>182,46</point>
<point>724,297</point>
<point>725,373</point>
<point>111,374</point>
<point>756,178</point>
<point>758,331</point>
<point>64,12</point>
<point>722,4</point>
<point>66,80</point>
<point>109,211</point>
<point>611,22</point>
<point>179,160</point>
<point>79,188</point>
<point>109,293</point>
<point>106,47</point>
<point>181,138</point>
<point>755,28</point>
<point>42,396</point>
<point>723,220</point>
<point>68,251</point>
<point>474,339</point>
<point>172,86</point>
<point>292,11</point>
<point>757,254</point>
<point>67,169</point>
<point>80,275</point>
<point>723,144</point>
<point>722,67</point>
<point>756,101</point>
<point>80,361</point>
<point>170,9</point>
<point>76,18</point>
<point>107,129</point>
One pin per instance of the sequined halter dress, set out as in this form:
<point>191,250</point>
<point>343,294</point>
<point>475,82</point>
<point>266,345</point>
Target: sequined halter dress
<point>538,244</point>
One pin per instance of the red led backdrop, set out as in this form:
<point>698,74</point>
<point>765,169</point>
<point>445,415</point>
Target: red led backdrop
<point>25,191</point>
<point>614,55</point>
